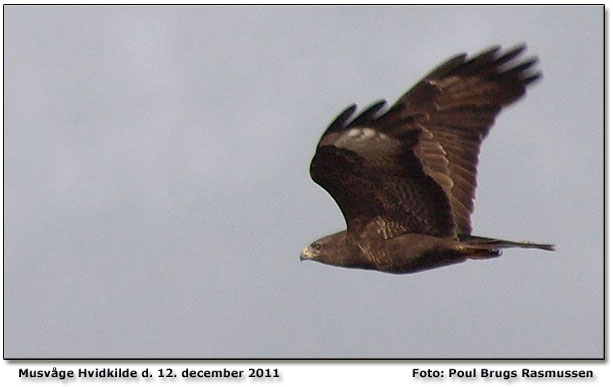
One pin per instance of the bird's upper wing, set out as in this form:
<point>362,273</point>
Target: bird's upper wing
<point>413,168</point>
<point>457,104</point>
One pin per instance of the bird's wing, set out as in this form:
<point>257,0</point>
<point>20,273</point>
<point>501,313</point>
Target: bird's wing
<point>455,105</point>
<point>413,167</point>
<point>378,180</point>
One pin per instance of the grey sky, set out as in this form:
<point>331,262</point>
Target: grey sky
<point>157,193</point>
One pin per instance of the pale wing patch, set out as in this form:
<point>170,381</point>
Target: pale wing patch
<point>366,141</point>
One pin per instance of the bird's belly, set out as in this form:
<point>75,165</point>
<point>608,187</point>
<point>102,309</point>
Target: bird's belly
<point>411,253</point>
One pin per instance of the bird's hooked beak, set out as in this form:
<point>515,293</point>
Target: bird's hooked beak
<point>306,253</point>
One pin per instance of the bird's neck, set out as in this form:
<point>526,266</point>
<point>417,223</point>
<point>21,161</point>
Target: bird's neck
<point>340,254</point>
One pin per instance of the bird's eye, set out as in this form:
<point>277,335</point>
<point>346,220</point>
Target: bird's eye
<point>317,246</point>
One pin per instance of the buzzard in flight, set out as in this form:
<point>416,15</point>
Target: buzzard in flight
<point>405,178</point>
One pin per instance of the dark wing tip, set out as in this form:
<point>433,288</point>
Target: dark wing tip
<point>365,118</point>
<point>510,54</point>
<point>533,77</point>
<point>480,60</point>
<point>340,121</point>
<point>511,73</point>
<point>459,62</point>
<point>491,63</point>
<point>448,66</point>
<point>368,115</point>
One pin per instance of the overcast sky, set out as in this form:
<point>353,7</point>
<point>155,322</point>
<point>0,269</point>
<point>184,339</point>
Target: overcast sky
<point>157,194</point>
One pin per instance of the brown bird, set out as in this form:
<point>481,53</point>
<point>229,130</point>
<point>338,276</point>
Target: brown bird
<point>405,178</point>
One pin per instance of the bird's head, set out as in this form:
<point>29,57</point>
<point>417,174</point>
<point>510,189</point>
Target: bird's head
<point>313,251</point>
<point>331,250</point>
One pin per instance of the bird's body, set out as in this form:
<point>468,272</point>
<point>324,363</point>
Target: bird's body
<point>407,253</point>
<point>405,179</point>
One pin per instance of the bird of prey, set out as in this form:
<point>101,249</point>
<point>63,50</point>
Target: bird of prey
<point>405,178</point>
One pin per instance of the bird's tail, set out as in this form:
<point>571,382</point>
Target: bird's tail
<point>489,247</point>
